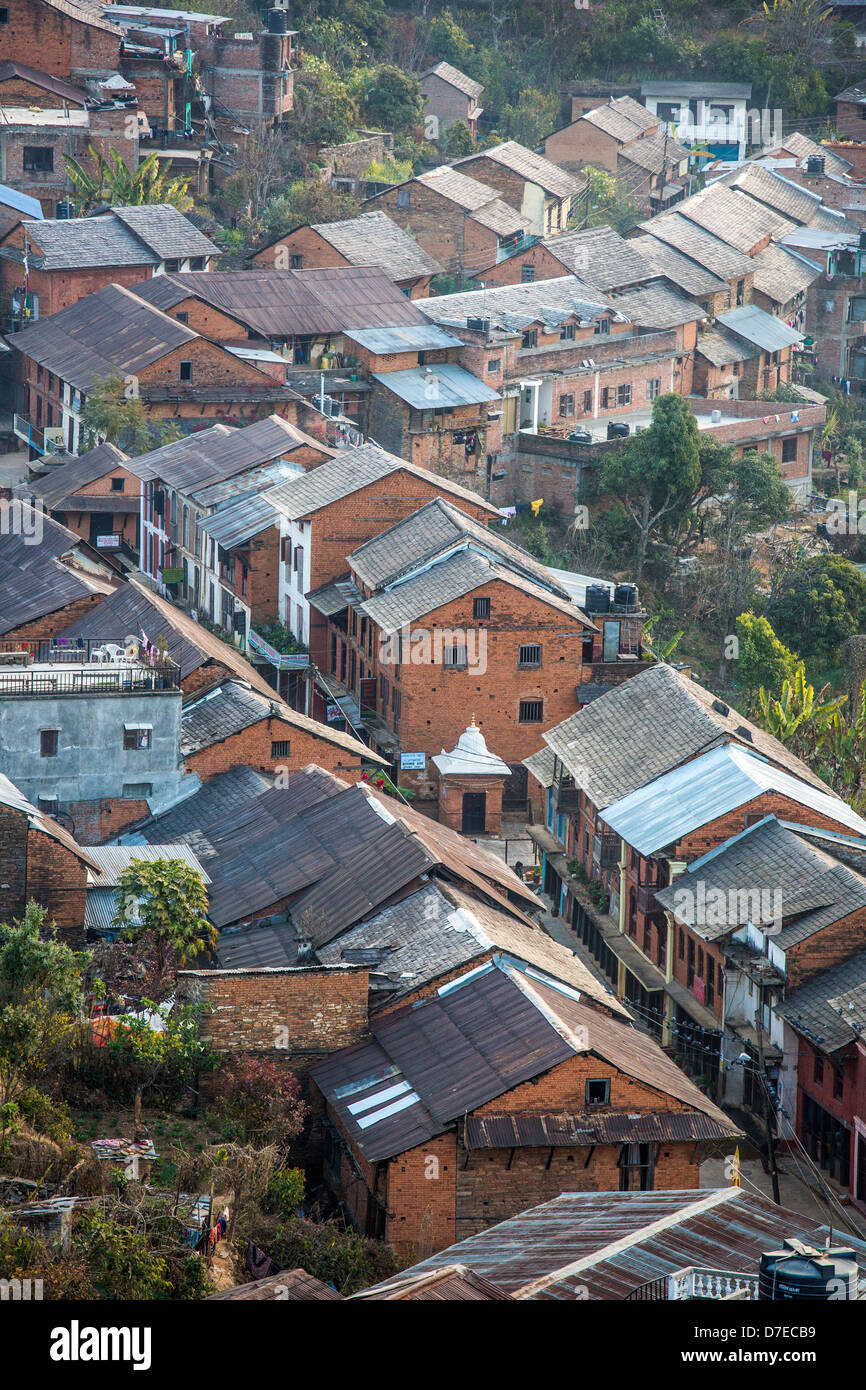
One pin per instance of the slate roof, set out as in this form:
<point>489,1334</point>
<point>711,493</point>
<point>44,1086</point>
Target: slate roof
<point>337,852</point>
<point>542,301</point>
<point>623,118</point>
<point>655,152</point>
<point>599,256</point>
<point>166,232</point>
<point>757,326</point>
<point>440,928</point>
<point>115,239</point>
<point>656,306</point>
<point>709,251</point>
<point>112,330</point>
<point>220,453</point>
<point>733,217</point>
<point>280,303</point>
<point>668,718</point>
<point>761,184</point>
<point>433,529</point>
<point>134,607</point>
<point>373,239</point>
<point>10,796</point>
<point>815,889</point>
<point>34,581</point>
<point>604,1245</point>
<point>813,1008</point>
<point>443,386</point>
<point>664,810</point>
<point>467,192</point>
<point>476,1039</point>
<point>686,274</point>
<point>530,166</point>
<point>500,217</point>
<point>65,480</point>
<point>455,77</point>
<point>801,146</point>
<point>232,707</point>
<point>449,578</point>
<point>350,471</point>
<point>781,276</point>
<point>84,11</point>
<point>722,348</point>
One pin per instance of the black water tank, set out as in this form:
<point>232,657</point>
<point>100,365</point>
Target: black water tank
<point>806,1272</point>
<point>277,21</point>
<point>815,164</point>
<point>597,598</point>
<point>625,595</point>
<point>617,429</point>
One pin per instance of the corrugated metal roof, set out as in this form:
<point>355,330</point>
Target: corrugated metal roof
<point>286,303</point>
<point>664,810</point>
<point>669,718</point>
<point>21,202</point>
<point>558,1130</point>
<point>238,522</point>
<point>477,1038</point>
<point>758,327</point>
<point>414,338</point>
<point>442,387</point>
<point>111,860</point>
<point>112,330</point>
<point>602,1245</point>
<point>77,473</point>
<point>290,1285</point>
<point>12,797</point>
<point>456,1284</point>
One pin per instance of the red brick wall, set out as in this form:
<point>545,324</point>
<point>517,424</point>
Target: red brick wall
<point>13,863</point>
<point>300,1013</point>
<point>96,821</point>
<point>835,943</point>
<point>440,227</point>
<point>52,623</point>
<point>252,748</point>
<point>317,253</point>
<point>57,879</point>
<point>48,39</point>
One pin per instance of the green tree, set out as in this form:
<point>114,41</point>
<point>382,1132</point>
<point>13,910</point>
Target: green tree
<point>391,100</point>
<point>533,115</point>
<point>457,141</point>
<point>654,471</point>
<point>325,111</point>
<point>338,1256</point>
<point>113,412</point>
<point>763,660</point>
<point>308,200</point>
<point>817,601</point>
<point>112,181</point>
<point>797,716</point>
<point>757,496</point>
<point>119,1259</point>
<point>449,43</point>
<point>40,998</point>
<point>166,897</point>
<point>606,203</point>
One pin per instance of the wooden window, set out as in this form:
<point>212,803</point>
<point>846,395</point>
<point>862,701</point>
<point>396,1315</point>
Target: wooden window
<point>598,1091</point>
<point>529,655</point>
<point>789,449</point>
<point>530,338</point>
<point>623,393</point>
<point>281,747</point>
<point>38,159</point>
<point>404,198</point>
<point>531,711</point>
<point>838,1083</point>
<point>653,388</point>
<point>527,274</point>
<point>481,608</point>
<point>587,402</point>
<point>566,405</point>
<point>48,743</point>
<point>296,261</point>
<point>601,326</point>
<point>494,366</point>
<point>566,333</point>
<point>118,484</point>
<point>454,658</point>
<point>819,1069</point>
<point>185,372</point>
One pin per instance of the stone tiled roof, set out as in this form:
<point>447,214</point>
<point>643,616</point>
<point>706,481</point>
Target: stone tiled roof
<point>373,239</point>
<point>814,1008</point>
<point>700,245</point>
<point>780,275</point>
<point>649,725</point>
<point>456,78</point>
<point>166,232</point>
<point>733,217</point>
<point>532,167</point>
<point>233,707</point>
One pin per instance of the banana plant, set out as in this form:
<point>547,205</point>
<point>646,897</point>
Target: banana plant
<point>659,651</point>
<point>113,182</point>
<point>797,709</point>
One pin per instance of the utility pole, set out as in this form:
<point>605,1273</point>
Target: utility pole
<point>771,1109</point>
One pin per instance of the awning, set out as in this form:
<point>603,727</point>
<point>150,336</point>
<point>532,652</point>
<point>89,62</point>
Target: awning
<point>544,839</point>
<point>692,1006</point>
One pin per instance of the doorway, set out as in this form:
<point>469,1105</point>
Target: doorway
<point>474,813</point>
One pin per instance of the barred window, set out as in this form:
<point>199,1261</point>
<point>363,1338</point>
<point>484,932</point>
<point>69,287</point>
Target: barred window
<point>454,658</point>
<point>281,747</point>
<point>529,655</point>
<point>531,711</point>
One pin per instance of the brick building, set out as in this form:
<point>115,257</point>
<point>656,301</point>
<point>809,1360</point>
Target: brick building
<point>71,258</point>
<point>40,861</point>
<point>438,616</point>
<point>70,39</point>
<point>422,1150</point>
<point>35,141</point>
<point>95,496</point>
<point>458,219</point>
<point>451,96</point>
<point>48,576</point>
<point>632,144</point>
<point>203,526</point>
<point>233,725</point>
<point>542,190</point>
<point>328,512</point>
<point>371,239</point>
<point>178,374</point>
<point>563,354</point>
<point>635,826</point>
<point>824,1032</point>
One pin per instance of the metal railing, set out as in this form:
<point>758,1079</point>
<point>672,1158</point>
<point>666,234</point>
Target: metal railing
<point>94,680</point>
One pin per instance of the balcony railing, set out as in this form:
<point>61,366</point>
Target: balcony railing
<point>91,680</point>
<point>606,849</point>
<point>567,796</point>
<point>695,1283</point>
